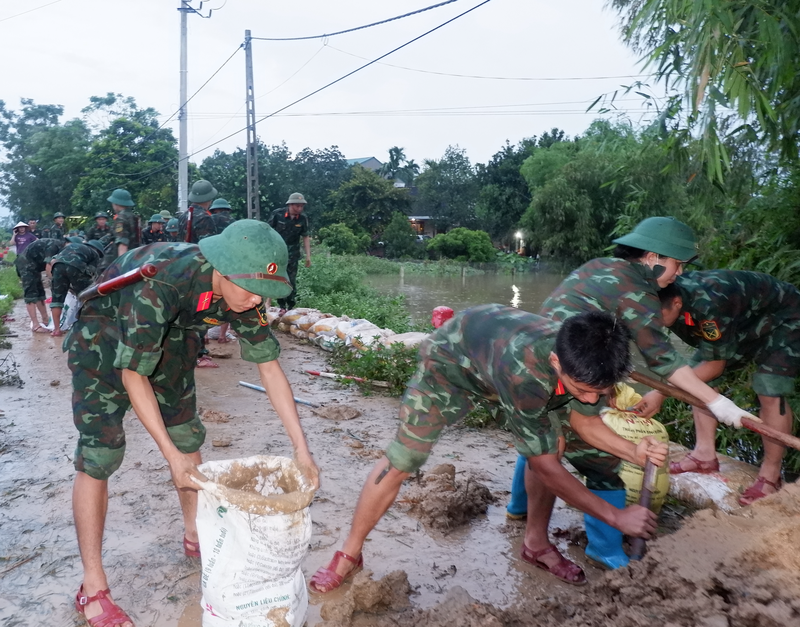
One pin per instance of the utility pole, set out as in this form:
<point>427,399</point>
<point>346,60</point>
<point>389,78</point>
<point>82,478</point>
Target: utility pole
<point>183,133</point>
<point>183,152</point>
<point>253,204</point>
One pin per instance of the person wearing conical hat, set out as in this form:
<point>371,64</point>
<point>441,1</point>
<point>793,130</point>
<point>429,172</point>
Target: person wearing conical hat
<point>126,223</point>
<point>155,230</point>
<point>293,226</point>
<point>148,364</point>
<point>22,237</point>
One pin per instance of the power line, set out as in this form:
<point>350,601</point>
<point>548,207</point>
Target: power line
<point>351,30</point>
<point>316,91</point>
<point>11,17</point>
<point>493,78</point>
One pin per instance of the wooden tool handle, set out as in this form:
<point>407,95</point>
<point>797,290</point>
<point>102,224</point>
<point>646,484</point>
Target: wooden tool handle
<point>639,545</point>
<point>691,399</point>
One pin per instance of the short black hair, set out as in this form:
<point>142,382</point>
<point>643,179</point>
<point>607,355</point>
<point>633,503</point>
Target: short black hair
<point>629,253</point>
<point>667,294</point>
<point>594,348</point>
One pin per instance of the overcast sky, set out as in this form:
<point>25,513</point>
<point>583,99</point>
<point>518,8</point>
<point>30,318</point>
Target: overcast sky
<point>64,51</point>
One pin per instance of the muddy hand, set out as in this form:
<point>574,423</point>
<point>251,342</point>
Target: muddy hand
<point>649,405</point>
<point>652,449</point>
<point>305,463</point>
<point>184,471</point>
<point>636,521</point>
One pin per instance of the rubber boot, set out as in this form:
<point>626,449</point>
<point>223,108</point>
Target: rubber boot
<point>605,541</point>
<point>517,508</point>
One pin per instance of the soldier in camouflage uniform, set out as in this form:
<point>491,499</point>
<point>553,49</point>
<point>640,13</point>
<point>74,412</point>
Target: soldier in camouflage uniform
<point>292,224</point>
<point>30,265</point>
<point>221,214</point>
<point>626,285</point>
<point>136,347</point>
<point>126,223</point>
<point>522,366</point>
<point>172,230</point>
<point>55,230</point>
<point>74,268</point>
<point>734,318</point>
<point>100,229</point>
<point>200,197</point>
<point>154,231</point>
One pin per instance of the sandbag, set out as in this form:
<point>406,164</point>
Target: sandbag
<point>254,526</point>
<point>295,314</point>
<point>327,340</point>
<point>345,326</point>
<point>298,332</point>
<point>325,324</point>
<point>633,428</point>
<point>413,338</point>
<point>273,313</point>
<point>69,314</point>
<point>367,336</point>
<point>307,321</point>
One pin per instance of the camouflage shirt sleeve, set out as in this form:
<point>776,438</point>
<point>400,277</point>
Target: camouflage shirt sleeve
<point>124,229</point>
<point>257,341</point>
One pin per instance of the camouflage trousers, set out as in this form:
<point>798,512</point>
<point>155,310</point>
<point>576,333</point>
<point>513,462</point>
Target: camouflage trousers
<point>601,469</point>
<point>99,400</point>
<point>31,277</point>
<point>291,270</point>
<point>66,277</point>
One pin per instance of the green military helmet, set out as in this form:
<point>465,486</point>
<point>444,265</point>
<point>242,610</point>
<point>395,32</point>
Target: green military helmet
<point>252,255</point>
<point>156,217</point>
<point>97,245</point>
<point>667,237</point>
<point>219,203</point>
<point>58,214</point>
<point>296,199</point>
<point>202,191</point>
<point>165,214</point>
<point>121,197</point>
<point>101,214</point>
<point>172,225</point>
<point>74,239</point>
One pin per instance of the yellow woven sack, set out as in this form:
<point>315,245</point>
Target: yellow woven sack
<point>633,428</point>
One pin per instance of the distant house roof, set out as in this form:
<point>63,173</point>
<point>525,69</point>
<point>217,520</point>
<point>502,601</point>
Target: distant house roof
<point>420,218</point>
<point>370,163</point>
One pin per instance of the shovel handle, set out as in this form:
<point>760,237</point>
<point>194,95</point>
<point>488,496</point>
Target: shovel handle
<point>639,545</point>
<point>691,399</point>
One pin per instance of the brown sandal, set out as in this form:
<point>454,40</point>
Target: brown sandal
<point>112,613</point>
<point>756,491</point>
<point>565,570</point>
<point>327,579</point>
<point>703,468</point>
<point>191,549</point>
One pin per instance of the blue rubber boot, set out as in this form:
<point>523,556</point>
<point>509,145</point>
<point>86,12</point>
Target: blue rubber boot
<point>605,542</point>
<point>517,508</point>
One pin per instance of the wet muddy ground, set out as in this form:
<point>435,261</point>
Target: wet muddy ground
<point>706,574</point>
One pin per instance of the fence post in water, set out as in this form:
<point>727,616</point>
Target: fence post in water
<point>402,274</point>
<point>463,275</point>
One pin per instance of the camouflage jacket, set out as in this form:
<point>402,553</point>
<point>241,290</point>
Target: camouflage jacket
<point>630,292</point>
<point>222,219</point>
<point>79,256</point>
<point>97,233</point>
<point>180,296</point>
<point>54,232</point>
<point>728,314</point>
<point>151,237</point>
<point>126,229</point>
<point>39,253</point>
<point>202,224</point>
<point>292,230</point>
<point>502,356</point>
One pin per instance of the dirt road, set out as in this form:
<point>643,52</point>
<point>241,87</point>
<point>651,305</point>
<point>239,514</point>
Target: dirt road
<point>703,575</point>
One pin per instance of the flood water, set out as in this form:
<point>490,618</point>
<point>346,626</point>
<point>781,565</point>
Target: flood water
<point>526,290</point>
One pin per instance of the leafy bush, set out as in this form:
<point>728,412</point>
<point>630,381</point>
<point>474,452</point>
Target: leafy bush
<point>400,239</point>
<point>463,245</point>
<point>341,240</point>
<point>395,365</point>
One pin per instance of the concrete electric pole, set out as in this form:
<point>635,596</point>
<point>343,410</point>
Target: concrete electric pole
<point>253,204</point>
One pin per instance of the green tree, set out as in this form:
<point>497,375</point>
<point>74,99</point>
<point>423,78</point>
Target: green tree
<point>399,238</point>
<point>44,159</point>
<point>366,202</point>
<point>448,190</point>
<point>463,244</point>
<point>341,240</point>
<point>399,167</point>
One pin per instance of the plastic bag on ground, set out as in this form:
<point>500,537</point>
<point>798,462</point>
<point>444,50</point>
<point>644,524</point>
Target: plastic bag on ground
<point>69,314</point>
<point>254,526</point>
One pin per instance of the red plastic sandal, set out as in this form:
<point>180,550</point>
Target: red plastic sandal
<point>112,613</point>
<point>703,468</point>
<point>565,570</point>
<point>191,549</point>
<point>756,491</point>
<point>327,579</point>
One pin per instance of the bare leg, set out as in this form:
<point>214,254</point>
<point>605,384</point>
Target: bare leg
<point>31,308</point>
<point>373,503</point>
<point>188,499</point>
<point>43,310</point>
<point>223,333</point>
<point>773,451</point>
<point>705,448</point>
<point>56,313</point>
<point>540,507</point>
<point>89,507</point>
